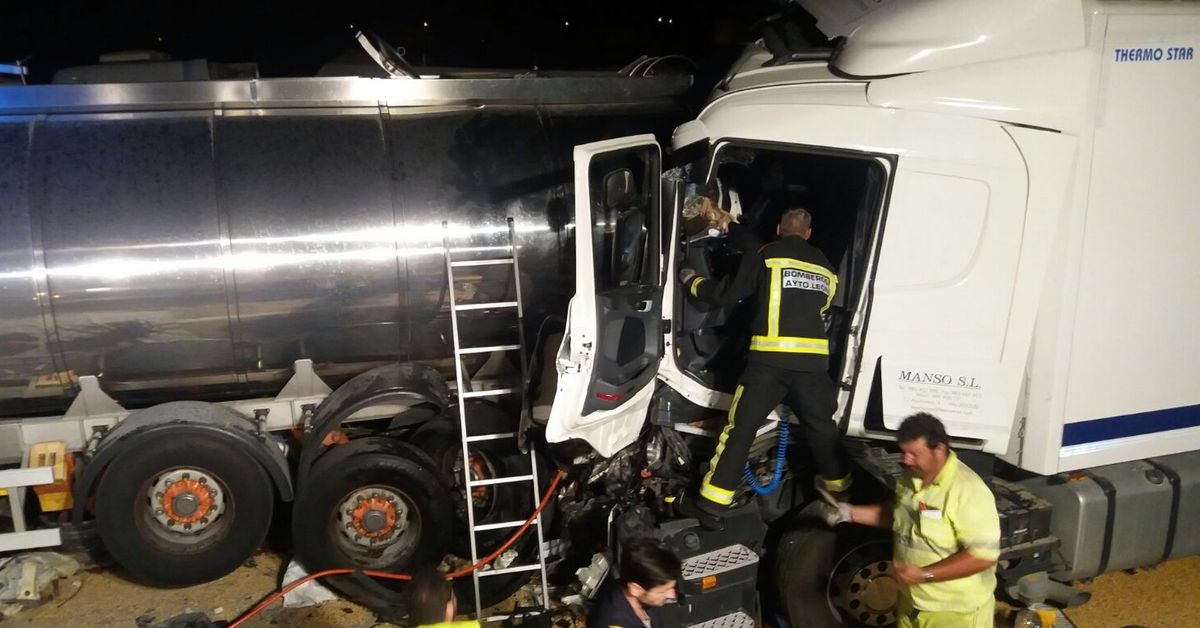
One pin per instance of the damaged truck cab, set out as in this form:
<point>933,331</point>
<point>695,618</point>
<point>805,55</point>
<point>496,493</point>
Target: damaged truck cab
<point>984,194</point>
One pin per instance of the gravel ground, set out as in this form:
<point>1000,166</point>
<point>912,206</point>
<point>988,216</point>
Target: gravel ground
<point>1160,597</point>
<point>105,599</point>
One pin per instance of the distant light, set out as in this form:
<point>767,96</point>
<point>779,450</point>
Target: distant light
<point>566,23</point>
<point>660,20</point>
<point>425,24</point>
<point>670,20</point>
<point>351,26</point>
<point>159,38</point>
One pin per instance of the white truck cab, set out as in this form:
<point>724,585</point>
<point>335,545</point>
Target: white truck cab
<point>1007,191</point>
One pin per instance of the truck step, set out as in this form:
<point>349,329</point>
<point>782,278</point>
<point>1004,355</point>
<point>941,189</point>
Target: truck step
<point>718,562</point>
<point>739,619</point>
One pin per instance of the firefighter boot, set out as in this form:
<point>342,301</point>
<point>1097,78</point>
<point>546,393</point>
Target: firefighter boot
<point>710,515</point>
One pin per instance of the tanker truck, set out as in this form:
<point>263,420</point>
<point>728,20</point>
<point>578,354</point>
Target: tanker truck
<point>203,269</point>
<point>1003,189</point>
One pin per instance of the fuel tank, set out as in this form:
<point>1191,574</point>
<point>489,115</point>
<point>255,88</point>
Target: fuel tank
<point>191,240</point>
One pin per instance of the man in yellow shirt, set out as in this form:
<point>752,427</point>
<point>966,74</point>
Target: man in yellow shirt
<point>945,528</point>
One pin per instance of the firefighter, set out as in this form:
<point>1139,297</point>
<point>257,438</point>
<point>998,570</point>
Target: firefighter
<point>793,285</point>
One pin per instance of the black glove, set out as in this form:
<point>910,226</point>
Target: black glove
<point>686,275</point>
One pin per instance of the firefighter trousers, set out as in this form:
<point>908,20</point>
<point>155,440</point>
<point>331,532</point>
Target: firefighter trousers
<point>812,396</point>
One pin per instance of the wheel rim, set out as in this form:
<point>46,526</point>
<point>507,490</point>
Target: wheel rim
<point>483,498</point>
<point>183,508</point>
<point>377,525</point>
<point>861,588</point>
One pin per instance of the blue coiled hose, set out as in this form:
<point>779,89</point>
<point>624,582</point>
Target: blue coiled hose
<point>780,456</point>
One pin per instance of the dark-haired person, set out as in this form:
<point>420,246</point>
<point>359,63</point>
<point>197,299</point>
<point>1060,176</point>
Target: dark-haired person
<point>649,572</point>
<point>946,532</point>
<point>431,603</point>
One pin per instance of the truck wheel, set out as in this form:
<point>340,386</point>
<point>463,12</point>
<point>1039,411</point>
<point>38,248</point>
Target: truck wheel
<point>373,504</point>
<point>177,512</point>
<point>803,561</point>
<point>492,504</point>
<point>827,578</point>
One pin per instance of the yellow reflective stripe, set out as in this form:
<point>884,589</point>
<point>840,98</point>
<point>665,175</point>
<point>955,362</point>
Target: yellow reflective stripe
<point>789,344</point>
<point>695,285</point>
<point>773,303</point>
<point>832,291</point>
<point>776,264</point>
<point>716,494</point>
<point>707,488</point>
<point>839,485</point>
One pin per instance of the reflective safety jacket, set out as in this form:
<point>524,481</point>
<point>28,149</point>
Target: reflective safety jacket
<point>793,284</point>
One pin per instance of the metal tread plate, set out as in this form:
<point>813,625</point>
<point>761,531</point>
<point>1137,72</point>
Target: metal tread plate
<point>739,619</point>
<point>718,561</point>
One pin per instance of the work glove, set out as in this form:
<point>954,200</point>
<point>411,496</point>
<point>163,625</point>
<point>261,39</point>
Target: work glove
<point>686,275</point>
<point>831,514</point>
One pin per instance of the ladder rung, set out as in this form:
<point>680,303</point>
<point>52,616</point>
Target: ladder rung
<point>507,480</point>
<point>501,572</point>
<point>485,306</point>
<point>497,436</point>
<point>501,526</point>
<point>488,349</point>
<point>494,392</point>
<point>482,262</point>
<point>478,249</point>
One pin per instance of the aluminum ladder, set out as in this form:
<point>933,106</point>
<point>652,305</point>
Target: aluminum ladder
<point>466,391</point>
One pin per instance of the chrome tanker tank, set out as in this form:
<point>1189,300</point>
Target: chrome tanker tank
<point>190,240</point>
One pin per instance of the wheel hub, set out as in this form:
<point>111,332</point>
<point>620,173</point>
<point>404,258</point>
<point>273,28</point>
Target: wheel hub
<point>479,471</point>
<point>186,500</point>
<point>877,592</point>
<point>862,587</point>
<point>373,517</point>
<point>480,496</point>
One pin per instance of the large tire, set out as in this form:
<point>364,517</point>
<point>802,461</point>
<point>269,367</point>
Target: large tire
<point>828,578</point>
<point>154,547</point>
<point>804,558</point>
<point>495,504</point>
<point>369,467</point>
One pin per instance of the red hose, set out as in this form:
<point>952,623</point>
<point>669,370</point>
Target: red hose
<point>400,576</point>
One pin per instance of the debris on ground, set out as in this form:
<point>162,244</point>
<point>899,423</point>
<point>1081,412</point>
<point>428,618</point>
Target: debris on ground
<point>27,579</point>
<point>310,593</point>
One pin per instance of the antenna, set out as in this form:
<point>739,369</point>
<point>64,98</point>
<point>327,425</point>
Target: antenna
<point>386,56</point>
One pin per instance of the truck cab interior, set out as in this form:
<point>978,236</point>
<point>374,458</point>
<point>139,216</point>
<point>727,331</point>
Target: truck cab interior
<point>842,191</point>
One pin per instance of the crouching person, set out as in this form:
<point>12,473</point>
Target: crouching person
<point>649,572</point>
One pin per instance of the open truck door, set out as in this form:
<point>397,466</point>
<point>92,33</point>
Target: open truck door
<point>610,352</point>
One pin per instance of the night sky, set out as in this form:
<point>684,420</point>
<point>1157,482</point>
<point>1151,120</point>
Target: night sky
<point>287,40</point>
